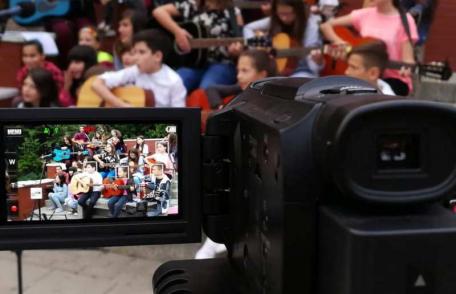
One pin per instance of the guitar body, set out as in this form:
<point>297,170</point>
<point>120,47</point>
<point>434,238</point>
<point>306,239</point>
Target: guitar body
<point>136,96</point>
<point>285,66</point>
<point>43,8</point>
<point>109,191</point>
<point>60,154</point>
<point>76,187</point>
<point>196,57</point>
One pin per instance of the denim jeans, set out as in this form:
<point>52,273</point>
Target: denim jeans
<point>116,204</point>
<point>57,199</point>
<point>212,74</point>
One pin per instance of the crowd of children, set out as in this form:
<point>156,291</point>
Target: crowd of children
<point>143,48</point>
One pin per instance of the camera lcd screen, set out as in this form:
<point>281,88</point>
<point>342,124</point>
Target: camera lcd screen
<point>398,152</point>
<point>91,171</point>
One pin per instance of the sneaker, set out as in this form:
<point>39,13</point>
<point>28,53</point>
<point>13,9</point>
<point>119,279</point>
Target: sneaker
<point>59,210</point>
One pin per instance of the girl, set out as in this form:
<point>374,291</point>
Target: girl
<point>290,17</point>
<point>59,193</point>
<point>141,146</point>
<point>90,37</point>
<point>107,160</point>
<point>218,19</point>
<point>130,23</point>
<point>382,20</point>
<point>161,155</point>
<point>80,59</point>
<point>252,66</point>
<point>38,90</point>
<point>133,156</point>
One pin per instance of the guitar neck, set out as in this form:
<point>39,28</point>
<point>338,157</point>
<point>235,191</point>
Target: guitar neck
<point>293,52</point>
<point>392,64</point>
<point>210,42</point>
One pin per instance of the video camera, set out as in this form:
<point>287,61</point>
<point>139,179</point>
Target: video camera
<point>315,186</point>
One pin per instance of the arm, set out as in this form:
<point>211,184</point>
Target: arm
<point>327,28</point>
<point>164,15</point>
<point>178,95</point>
<point>251,28</point>
<point>99,86</point>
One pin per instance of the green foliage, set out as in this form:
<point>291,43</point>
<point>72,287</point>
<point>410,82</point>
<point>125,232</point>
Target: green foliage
<point>29,163</point>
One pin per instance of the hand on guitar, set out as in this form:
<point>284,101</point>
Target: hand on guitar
<point>235,49</point>
<point>317,56</point>
<point>405,71</point>
<point>182,42</point>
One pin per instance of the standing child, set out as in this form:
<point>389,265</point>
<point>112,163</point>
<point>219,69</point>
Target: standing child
<point>151,46</point>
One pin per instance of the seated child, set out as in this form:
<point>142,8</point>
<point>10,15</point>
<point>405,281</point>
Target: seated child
<point>38,90</point>
<point>149,73</point>
<point>116,203</point>
<point>90,37</point>
<point>59,193</point>
<point>33,57</point>
<point>367,62</point>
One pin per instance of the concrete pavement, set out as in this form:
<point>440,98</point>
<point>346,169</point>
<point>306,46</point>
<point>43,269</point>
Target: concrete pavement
<point>116,270</point>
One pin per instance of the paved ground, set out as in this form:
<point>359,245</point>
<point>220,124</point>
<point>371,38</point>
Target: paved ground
<point>98,271</point>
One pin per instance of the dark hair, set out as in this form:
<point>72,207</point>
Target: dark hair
<point>137,18</point>
<point>155,40</point>
<point>262,60</point>
<point>37,44</point>
<point>298,28</point>
<point>62,179</point>
<point>136,152</point>
<point>45,85</point>
<point>374,54</point>
<point>83,53</point>
<point>88,56</point>
<point>92,164</point>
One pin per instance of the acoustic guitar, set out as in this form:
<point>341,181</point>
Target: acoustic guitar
<point>59,154</point>
<point>43,8</point>
<point>133,95</point>
<point>282,49</point>
<point>440,70</point>
<point>200,43</point>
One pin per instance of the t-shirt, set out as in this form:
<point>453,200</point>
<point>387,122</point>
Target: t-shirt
<point>388,28</point>
<point>166,84</point>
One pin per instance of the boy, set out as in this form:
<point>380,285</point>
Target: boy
<point>367,62</point>
<point>116,203</point>
<point>149,73</point>
<point>159,185</point>
<point>33,57</point>
<point>96,182</point>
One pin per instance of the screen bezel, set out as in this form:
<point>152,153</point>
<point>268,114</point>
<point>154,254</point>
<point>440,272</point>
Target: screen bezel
<point>180,228</point>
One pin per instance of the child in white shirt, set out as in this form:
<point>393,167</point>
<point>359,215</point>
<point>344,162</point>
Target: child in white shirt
<point>149,73</point>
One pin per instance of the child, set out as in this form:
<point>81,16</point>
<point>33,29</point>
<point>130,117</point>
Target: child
<point>161,155</point>
<point>38,90</point>
<point>33,57</point>
<point>367,62</point>
<point>127,56</point>
<point>116,203</point>
<point>59,193</point>
<point>220,22</point>
<point>382,21</point>
<point>149,73</point>
<point>130,23</point>
<point>90,37</point>
<point>89,199</point>
<point>290,17</point>
<point>80,59</point>
<point>159,185</point>
<point>252,65</point>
